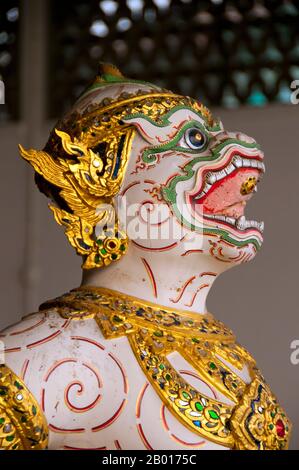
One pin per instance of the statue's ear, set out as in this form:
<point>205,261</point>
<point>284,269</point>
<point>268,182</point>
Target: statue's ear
<point>154,133</point>
<point>146,128</point>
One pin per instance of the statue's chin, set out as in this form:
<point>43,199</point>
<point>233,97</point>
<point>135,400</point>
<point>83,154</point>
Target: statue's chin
<point>225,248</point>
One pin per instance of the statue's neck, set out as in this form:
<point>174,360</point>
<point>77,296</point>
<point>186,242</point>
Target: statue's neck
<point>175,282</point>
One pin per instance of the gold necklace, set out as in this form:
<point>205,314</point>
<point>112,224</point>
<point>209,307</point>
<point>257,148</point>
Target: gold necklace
<point>255,421</point>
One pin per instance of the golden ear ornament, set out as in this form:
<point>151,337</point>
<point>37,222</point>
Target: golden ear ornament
<point>87,187</point>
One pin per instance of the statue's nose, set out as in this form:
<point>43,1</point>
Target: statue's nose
<point>240,136</point>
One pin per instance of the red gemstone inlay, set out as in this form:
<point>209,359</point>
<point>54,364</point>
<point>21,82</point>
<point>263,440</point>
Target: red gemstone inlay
<point>280,428</point>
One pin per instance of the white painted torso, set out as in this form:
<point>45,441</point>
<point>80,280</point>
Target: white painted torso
<point>93,391</point>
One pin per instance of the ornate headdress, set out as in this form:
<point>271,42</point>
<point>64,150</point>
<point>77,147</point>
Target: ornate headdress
<point>83,163</point>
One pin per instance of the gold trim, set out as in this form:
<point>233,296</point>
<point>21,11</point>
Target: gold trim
<point>23,425</point>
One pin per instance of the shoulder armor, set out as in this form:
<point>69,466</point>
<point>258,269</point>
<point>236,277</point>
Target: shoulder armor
<point>22,422</point>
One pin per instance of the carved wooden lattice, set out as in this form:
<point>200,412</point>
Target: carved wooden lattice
<point>9,58</point>
<point>223,52</point>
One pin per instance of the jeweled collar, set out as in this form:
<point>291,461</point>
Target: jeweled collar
<point>121,308</point>
<point>253,421</point>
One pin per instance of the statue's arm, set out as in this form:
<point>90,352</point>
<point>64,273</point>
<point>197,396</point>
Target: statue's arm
<point>23,425</point>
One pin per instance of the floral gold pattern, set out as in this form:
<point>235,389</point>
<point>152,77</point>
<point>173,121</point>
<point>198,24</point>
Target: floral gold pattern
<point>259,421</point>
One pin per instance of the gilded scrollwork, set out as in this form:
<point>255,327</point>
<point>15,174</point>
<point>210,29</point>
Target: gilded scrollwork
<point>22,423</point>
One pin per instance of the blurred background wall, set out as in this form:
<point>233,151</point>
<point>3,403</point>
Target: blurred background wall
<point>238,57</point>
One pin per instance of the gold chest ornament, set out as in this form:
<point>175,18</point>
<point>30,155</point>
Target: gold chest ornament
<point>255,422</point>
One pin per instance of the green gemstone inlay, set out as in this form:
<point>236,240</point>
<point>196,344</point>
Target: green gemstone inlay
<point>114,256</point>
<point>161,366</point>
<point>117,319</point>
<point>122,247</point>
<point>198,406</point>
<point>158,333</point>
<point>2,420</point>
<point>18,385</point>
<point>213,414</point>
<point>10,438</point>
<point>34,411</point>
<point>195,340</point>
<point>271,426</point>
<point>167,376</point>
<point>103,251</point>
<point>100,242</point>
<point>213,365</point>
<point>186,395</point>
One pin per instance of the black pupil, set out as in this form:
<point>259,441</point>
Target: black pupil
<point>196,138</point>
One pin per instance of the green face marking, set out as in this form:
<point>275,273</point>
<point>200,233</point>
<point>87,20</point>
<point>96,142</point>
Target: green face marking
<point>171,190</point>
<point>149,156</point>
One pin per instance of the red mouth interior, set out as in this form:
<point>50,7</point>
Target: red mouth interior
<point>225,198</point>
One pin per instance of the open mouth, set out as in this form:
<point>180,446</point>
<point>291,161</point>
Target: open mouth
<point>225,191</point>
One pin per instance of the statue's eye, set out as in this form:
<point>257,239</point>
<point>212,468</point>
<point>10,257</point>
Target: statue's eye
<point>195,139</point>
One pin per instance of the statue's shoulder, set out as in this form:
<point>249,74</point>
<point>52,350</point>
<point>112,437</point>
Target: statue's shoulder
<point>51,330</point>
<point>22,422</point>
<point>32,331</point>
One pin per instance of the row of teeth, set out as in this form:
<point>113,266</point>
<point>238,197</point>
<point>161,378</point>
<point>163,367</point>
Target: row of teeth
<point>241,223</point>
<point>237,162</point>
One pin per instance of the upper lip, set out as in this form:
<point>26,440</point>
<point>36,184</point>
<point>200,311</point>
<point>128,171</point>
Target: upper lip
<point>210,177</point>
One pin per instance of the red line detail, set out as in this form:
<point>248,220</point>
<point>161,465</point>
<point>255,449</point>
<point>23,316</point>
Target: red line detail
<point>84,448</point>
<point>28,329</point>
<point>151,276</point>
<point>164,418</point>
<point>155,249</point>
<point>195,294</point>
<point>87,340</point>
<point>142,435</point>
<point>208,273</point>
<point>57,364</point>
<point>24,368</point>
<point>9,350</point>
<point>187,444</point>
<point>129,187</point>
<point>77,409</point>
<point>188,252</point>
<point>220,259</point>
<point>63,430</point>
<point>117,445</point>
<point>121,370</point>
<point>43,399</point>
<point>96,373</point>
<point>110,420</point>
<point>44,340</point>
<point>183,289</point>
<point>139,400</point>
